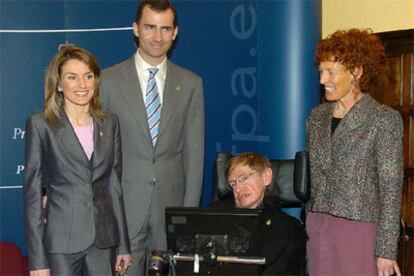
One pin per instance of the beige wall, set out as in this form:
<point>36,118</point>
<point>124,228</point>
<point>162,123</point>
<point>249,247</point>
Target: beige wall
<point>379,15</point>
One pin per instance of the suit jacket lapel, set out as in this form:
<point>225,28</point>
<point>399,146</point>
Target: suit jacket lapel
<point>171,95</point>
<point>328,142</point>
<point>69,140</point>
<point>131,90</point>
<point>100,142</point>
<point>354,118</point>
<point>325,122</point>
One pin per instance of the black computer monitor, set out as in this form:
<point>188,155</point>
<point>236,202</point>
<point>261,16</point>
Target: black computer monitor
<point>222,232</point>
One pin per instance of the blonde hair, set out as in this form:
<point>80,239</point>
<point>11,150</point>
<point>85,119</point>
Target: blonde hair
<point>54,98</point>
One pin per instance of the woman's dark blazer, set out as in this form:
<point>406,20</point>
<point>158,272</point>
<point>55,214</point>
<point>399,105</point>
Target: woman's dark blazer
<point>85,201</point>
<point>357,172</point>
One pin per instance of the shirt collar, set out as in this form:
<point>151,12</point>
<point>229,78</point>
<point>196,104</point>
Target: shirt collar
<point>143,66</point>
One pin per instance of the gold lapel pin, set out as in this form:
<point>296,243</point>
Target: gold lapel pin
<point>178,88</point>
<point>268,222</point>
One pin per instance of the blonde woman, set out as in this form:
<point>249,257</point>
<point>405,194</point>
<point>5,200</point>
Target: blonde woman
<point>73,152</point>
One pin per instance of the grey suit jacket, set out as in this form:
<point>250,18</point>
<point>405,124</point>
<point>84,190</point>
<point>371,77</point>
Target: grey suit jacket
<point>357,173</point>
<point>171,173</point>
<point>85,204</point>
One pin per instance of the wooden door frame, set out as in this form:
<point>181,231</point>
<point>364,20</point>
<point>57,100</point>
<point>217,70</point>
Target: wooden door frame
<point>401,44</point>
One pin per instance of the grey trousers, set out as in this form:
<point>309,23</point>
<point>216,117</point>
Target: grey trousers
<point>92,261</point>
<point>151,237</point>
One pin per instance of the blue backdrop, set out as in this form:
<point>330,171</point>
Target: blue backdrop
<point>255,57</point>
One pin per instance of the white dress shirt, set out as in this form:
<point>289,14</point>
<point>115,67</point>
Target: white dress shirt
<point>143,75</point>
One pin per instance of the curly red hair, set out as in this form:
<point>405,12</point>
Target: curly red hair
<point>354,48</point>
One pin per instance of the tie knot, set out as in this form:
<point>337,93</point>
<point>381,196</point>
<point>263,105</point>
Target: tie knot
<point>152,71</point>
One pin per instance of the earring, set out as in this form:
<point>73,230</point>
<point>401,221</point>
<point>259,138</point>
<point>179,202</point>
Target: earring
<point>60,89</point>
<point>355,83</point>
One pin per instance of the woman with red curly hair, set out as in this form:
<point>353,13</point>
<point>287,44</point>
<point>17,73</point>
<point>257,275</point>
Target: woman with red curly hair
<point>355,151</point>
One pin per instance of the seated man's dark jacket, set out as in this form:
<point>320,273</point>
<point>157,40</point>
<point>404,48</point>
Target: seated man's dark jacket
<point>284,239</point>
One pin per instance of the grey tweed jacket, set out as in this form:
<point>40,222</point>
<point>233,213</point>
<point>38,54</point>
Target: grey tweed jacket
<point>357,173</point>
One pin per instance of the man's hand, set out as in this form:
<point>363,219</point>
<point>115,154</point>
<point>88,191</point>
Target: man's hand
<point>387,267</point>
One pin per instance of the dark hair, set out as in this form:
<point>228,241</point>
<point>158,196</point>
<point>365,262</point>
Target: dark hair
<point>156,5</point>
<point>54,100</point>
<point>354,48</point>
<point>256,162</point>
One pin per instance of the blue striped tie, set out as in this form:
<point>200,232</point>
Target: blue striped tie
<point>153,105</point>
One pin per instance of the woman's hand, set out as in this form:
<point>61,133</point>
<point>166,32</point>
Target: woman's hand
<point>44,205</point>
<point>387,267</point>
<point>122,263</point>
<point>40,272</point>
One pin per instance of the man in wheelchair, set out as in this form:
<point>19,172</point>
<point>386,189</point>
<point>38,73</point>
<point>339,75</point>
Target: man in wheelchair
<point>284,239</point>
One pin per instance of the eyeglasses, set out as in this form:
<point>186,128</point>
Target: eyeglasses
<point>242,179</point>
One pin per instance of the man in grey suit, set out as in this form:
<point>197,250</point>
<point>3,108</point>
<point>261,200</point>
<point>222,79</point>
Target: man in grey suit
<point>163,167</point>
